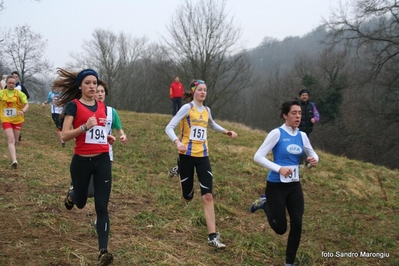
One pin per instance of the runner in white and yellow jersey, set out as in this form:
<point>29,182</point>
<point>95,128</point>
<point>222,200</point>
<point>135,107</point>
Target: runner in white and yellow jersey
<point>194,119</point>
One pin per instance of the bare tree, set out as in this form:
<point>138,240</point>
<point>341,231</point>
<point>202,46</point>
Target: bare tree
<point>371,28</point>
<point>2,4</point>
<point>24,49</point>
<point>147,89</point>
<point>110,53</point>
<point>131,68</point>
<point>101,53</point>
<point>204,45</point>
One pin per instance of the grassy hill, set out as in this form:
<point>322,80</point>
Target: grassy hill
<point>350,206</point>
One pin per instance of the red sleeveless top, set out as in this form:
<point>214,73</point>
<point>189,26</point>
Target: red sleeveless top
<point>95,139</point>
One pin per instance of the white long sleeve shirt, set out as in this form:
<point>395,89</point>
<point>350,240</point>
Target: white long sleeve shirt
<point>182,113</point>
<point>272,139</point>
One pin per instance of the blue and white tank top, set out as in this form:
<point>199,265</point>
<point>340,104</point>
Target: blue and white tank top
<point>287,152</point>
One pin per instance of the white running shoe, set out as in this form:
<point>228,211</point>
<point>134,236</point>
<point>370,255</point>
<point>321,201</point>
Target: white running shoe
<point>216,242</point>
<point>174,171</point>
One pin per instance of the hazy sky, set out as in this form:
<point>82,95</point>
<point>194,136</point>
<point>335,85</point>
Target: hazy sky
<point>67,23</point>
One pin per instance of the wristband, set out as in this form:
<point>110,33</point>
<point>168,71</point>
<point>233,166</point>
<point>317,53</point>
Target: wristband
<point>83,128</point>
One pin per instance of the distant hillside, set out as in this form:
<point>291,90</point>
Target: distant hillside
<point>350,206</point>
<point>272,52</point>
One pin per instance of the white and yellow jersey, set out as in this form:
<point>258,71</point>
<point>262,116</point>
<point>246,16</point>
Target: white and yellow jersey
<point>194,122</point>
<point>193,132</point>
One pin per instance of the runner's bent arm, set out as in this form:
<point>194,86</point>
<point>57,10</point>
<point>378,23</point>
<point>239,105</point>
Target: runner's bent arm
<point>181,114</point>
<point>260,156</point>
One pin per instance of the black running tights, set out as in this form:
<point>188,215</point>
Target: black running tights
<point>282,196</point>
<point>82,168</point>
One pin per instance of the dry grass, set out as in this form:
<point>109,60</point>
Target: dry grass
<point>350,206</point>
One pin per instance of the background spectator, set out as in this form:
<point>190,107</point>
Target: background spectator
<point>310,115</point>
<point>19,85</point>
<point>176,91</point>
<point>3,82</point>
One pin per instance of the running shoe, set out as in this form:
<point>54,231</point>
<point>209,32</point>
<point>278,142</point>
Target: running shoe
<point>215,242</point>
<point>63,144</point>
<point>68,201</point>
<point>258,204</point>
<point>174,171</point>
<point>14,165</point>
<point>105,258</point>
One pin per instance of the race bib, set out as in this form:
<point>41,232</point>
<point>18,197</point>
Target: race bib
<point>293,177</point>
<point>10,112</point>
<point>96,135</point>
<point>198,133</point>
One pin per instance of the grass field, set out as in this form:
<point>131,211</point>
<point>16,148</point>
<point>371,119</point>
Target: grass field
<point>351,207</point>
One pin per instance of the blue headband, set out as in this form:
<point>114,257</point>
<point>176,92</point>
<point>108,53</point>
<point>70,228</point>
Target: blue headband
<point>303,91</point>
<point>195,84</point>
<point>84,73</point>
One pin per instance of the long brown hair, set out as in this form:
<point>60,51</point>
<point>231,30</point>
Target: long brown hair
<point>188,95</point>
<point>67,82</point>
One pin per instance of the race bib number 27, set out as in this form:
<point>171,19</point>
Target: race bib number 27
<point>10,112</point>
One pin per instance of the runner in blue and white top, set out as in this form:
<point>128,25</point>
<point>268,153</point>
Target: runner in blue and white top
<point>52,99</point>
<point>283,188</point>
<point>113,120</point>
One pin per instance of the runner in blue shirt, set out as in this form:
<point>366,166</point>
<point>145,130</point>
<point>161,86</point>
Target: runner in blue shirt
<point>52,99</point>
<point>283,188</point>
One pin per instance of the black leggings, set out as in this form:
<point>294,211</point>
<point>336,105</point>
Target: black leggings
<point>282,196</point>
<point>82,168</point>
<point>204,173</point>
<point>56,119</point>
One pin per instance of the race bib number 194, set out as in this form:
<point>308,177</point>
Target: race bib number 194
<point>96,135</point>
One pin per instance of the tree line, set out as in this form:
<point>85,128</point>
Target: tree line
<point>348,63</point>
